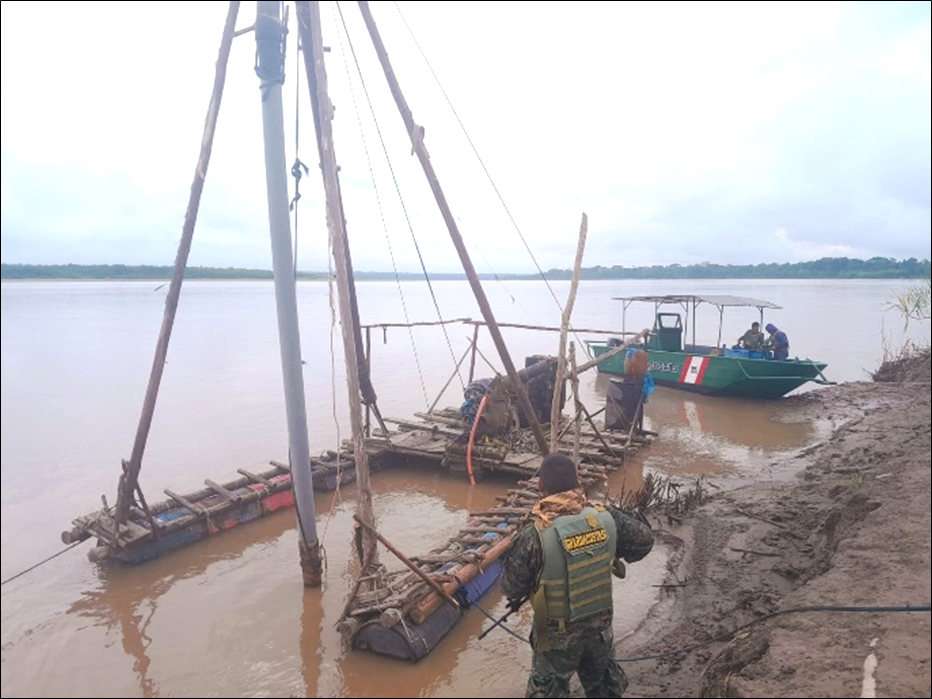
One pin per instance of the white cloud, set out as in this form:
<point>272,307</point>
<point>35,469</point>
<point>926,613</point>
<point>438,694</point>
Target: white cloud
<point>686,131</point>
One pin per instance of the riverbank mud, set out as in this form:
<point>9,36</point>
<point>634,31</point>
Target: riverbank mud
<point>851,529</point>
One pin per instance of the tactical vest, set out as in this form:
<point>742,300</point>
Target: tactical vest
<point>576,581</point>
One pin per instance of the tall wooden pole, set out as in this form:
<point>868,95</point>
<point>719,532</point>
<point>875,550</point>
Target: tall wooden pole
<point>270,67</point>
<point>564,327</point>
<point>577,403</point>
<point>472,358</point>
<point>309,28</point>
<point>129,478</point>
<point>416,133</point>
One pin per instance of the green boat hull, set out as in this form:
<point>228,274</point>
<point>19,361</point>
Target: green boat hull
<point>719,375</point>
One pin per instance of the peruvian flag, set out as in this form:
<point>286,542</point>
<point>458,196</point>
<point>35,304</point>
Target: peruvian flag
<point>693,370</point>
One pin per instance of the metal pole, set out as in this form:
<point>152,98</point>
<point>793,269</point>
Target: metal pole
<point>129,477</point>
<point>270,66</point>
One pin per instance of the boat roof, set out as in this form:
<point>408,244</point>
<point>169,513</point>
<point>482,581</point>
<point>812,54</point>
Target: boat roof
<point>714,299</point>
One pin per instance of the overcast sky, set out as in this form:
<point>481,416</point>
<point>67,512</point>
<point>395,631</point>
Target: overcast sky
<point>722,132</point>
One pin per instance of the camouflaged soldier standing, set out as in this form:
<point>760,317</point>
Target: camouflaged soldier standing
<point>563,560</point>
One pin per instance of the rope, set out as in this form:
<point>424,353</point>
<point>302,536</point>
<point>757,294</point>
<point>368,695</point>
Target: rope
<point>400,197</point>
<point>298,168</point>
<point>378,200</point>
<point>484,168</point>
<point>46,560</point>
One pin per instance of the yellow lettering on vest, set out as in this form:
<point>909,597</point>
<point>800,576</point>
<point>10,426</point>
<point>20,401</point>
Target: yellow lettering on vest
<point>586,539</point>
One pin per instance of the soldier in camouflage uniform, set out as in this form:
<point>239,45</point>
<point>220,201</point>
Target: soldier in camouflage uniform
<point>563,560</point>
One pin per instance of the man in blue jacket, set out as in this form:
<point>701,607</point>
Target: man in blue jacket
<point>779,344</point>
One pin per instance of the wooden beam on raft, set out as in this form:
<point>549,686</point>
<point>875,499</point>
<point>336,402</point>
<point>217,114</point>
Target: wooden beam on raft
<point>129,479</point>
<point>187,504</point>
<point>416,133</point>
<point>404,559</point>
<point>427,606</point>
<point>552,329</point>
<point>564,327</point>
<point>612,352</point>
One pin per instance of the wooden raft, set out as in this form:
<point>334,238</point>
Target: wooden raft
<point>485,536</point>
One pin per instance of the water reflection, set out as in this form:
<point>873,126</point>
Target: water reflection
<point>712,435</point>
<point>129,598</point>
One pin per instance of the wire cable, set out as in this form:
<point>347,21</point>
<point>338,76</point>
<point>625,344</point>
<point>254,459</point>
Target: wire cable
<point>771,615</point>
<point>400,197</point>
<point>484,168</point>
<point>378,200</point>
<point>43,561</point>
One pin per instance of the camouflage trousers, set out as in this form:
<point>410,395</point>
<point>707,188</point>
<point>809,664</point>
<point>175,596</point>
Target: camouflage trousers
<point>589,654</point>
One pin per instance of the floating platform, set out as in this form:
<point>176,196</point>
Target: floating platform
<point>395,614</point>
<point>400,615</point>
<point>183,519</point>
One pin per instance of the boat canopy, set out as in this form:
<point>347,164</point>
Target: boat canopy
<point>720,301</point>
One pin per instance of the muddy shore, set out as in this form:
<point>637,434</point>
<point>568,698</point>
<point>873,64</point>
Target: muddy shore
<point>844,522</point>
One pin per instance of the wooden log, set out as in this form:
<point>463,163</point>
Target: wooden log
<point>501,511</point>
<point>531,494</point>
<point>416,134</point>
<point>431,602</point>
<point>404,559</point>
<point>130,480</point>
<point>553,329</point>
<point>484,529</point>
<point>564,327</point>
<point>255,477</point>
<point>187,504</point>
<point>228,494</point>
<point>577,423</point>
<point>612,352</point>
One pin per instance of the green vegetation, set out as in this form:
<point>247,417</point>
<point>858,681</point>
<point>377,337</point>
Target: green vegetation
<point>124,272</point>
<point>826,268</point>
<point>914,303</point>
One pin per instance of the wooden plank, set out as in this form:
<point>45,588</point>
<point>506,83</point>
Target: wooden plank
<point>484,529</point>
<point>229,495</point>
<point>187,504</point>
<point>282,466</point>
<point>255,477</point>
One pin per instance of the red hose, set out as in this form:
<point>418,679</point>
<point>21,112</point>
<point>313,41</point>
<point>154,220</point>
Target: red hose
<point>472,438</point>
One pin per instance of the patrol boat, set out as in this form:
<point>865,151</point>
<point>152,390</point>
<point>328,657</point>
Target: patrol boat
<point>714,370</point>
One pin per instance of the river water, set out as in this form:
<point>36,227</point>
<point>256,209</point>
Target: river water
<point>230,616</point>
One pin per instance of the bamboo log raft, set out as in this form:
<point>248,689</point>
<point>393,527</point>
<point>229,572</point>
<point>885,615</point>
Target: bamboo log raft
<point>403,613</point>
<point>182,519</point>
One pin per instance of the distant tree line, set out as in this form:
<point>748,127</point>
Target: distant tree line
<point>825,268</point>
<point>72,271</point>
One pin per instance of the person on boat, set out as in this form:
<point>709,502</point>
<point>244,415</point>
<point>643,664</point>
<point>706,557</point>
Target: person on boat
<point>563,560</point>
<point>779,343</point>
<point>753,339</point>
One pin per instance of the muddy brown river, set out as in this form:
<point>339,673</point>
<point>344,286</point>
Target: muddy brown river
<point>230,616</point>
